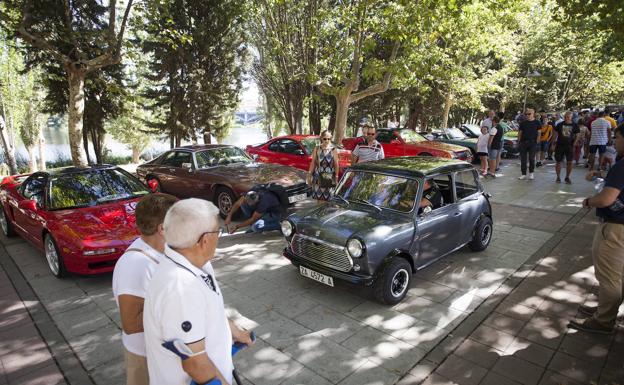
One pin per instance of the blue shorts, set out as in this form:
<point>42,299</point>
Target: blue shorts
<point>543,146</point>
<point>493,154</point>
<point>602,148</point>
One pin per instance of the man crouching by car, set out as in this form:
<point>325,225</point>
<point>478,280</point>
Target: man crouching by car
<point>262,209</point>
<point>184,304</point>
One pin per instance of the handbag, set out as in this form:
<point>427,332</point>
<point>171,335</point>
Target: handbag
<point>326,180</point>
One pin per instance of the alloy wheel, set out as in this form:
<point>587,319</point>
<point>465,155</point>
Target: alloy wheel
<point>3,223</point>
<point>486,234</point>
<point>52,255</point>
<point>400,281</point>
<point>225,203</point>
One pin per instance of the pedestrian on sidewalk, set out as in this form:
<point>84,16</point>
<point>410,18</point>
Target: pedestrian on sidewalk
<point>482,149</point>
<point>324,168</point>
<point>131,277</point>
<point>600,136</point>
<point>580,142</point>
<point>565,136</point>
<point>545,136</point>
<point>185,304</point>
<point>527,143</point>
<point>370,149</point>
<point>496,144</point>
<point>607,249</point>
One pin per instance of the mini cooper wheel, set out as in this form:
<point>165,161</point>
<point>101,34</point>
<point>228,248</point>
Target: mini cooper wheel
<point>5,223</point>
<point>224,200</point>
<point>54,258</point>
<point>393,282</point>
<point>482,235</point>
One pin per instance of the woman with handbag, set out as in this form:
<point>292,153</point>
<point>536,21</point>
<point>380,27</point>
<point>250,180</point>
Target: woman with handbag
<point>324,168</point>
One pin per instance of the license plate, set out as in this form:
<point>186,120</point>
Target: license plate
<point>322,278</point>
<point>297,198</point>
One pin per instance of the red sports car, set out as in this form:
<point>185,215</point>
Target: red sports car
<point>82,218</point>
<point>294,151</point>
<point>405,142</point>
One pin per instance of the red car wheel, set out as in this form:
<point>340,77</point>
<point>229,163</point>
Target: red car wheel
<point>54,258</point>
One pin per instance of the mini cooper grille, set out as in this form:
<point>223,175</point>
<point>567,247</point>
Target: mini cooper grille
<point>317,251</point>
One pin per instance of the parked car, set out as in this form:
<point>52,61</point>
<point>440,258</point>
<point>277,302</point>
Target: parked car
<point>372,232</point>
<point>82,218</point>
<point>510,138</point>
<point>219,173</point>
<point>405,142</point>
<point>294,151</point>
<point>455,136</point>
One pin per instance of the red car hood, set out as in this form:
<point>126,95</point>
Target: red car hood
<point>438,146</point>
<point>111,225</point>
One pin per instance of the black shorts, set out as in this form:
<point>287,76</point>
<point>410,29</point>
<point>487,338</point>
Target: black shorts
<point>564,151</point>
<point>480,154</point>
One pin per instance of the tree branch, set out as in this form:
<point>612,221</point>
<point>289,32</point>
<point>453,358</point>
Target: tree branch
<point>68,23</point>
<point>381,86</point>
<point>113,54</point>
<point>122,30</point>
<point>112,15</point>
<point>39,42</point>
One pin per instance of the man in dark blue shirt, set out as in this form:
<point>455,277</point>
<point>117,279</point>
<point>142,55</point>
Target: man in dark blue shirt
<point>607,249</point>
<point>528,134</point>
<point>261,207</point>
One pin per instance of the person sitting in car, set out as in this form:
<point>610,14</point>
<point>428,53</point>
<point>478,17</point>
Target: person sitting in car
<point>432,196</point>
<point>262,209</point>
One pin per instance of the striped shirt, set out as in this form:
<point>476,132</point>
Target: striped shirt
<point>599,129</point>
<point>366,153</point>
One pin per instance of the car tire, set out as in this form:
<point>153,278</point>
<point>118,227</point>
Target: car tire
<point>7,227</point>
<point>482,235</point>
<point>224,199</point>
<point>156,183</point>
<point>54,257</point>
<point>393,282</point>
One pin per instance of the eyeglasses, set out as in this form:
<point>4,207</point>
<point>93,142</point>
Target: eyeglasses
<point>219,232</point>
<point>324,139</point>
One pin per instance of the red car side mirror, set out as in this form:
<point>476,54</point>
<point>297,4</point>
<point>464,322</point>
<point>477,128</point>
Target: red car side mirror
<point>27,204</point>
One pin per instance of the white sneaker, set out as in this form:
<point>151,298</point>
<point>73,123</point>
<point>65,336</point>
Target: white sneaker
<point>531,176</point>
<point>522,177</point>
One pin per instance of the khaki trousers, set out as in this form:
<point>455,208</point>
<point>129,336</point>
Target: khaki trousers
<point>608,256</point>
<point>136,369</point>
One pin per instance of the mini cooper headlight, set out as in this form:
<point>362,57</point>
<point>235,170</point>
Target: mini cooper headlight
<point>355,248</point>
<point>287,228</point>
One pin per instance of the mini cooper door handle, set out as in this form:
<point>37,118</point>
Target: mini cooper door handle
<point>457,214</point>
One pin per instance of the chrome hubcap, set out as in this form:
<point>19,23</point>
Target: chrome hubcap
<point>399,283</point>
<point>51,256</point>
<point>225,203</point>
<point>3,223</point>
<point>486,234</point>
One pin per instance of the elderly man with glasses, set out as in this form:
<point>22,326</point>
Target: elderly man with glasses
<point>368,150</point>
<point>185,304</point>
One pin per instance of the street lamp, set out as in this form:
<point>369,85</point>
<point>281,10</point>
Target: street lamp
<point>528,75</point>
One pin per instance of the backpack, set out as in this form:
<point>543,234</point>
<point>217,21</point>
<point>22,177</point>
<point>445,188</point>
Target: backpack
<point>276,189</point>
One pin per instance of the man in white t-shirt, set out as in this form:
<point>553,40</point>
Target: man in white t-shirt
<point>184,302</point>
<point>369,150</point>
<point>131,276</point>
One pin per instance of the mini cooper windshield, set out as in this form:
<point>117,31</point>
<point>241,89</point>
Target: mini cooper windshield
<point>93,188</point>
<point>379,190</point>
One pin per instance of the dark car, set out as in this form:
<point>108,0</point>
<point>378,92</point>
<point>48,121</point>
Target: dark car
<point>219,173</point>
<point>81,218</point>
<point>510,138</point>
<point>372,233</point>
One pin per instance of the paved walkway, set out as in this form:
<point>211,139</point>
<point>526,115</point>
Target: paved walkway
<point>494,317</point>
<point>24,355</point>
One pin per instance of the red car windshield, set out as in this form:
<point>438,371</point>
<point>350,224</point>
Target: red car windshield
<point>93,188</point>
<point>410,136</point>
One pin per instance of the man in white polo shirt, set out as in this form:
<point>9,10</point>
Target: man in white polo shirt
<point>368,150</point>
<point>131,276</point>
<point>184,302</point>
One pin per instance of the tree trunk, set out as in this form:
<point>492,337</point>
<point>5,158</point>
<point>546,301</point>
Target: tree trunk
<point>76,111</point>
<point>207,138</point>
<point>331,126</point>
<point>314,116</point>
<point>41,146</point>
<point>342,113</point>
<point>448,102</point>
<point>85,144</point>
<point>32,160</point>
<point>9,150</point>
<point>268,117</point>
<point>136,152</point>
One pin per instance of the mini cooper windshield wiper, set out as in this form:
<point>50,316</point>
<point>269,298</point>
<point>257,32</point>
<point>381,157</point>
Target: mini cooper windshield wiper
<point>341,198</point>
<point>364,201</point>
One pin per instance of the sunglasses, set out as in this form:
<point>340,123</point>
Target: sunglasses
<point>219,232</point>
<point>324,139</point>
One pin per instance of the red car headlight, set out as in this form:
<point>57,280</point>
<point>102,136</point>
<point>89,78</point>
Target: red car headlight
<point>91,253</point>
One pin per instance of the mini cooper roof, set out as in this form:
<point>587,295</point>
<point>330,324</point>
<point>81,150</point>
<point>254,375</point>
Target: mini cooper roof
<point>413,166</point>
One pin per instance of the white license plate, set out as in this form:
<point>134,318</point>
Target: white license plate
<point>322,278</point>
<point>297,198</point>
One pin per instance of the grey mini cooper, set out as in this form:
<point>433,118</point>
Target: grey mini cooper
<point>374,231</point>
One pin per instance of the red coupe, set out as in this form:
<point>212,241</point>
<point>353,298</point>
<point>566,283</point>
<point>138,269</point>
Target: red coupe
<point>294,151</point>
<point>405,142</point>
<point>82,218</point>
